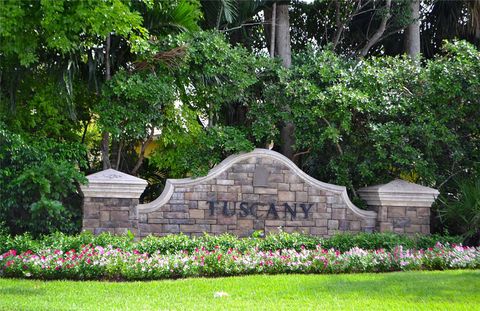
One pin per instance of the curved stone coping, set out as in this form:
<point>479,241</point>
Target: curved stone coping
<point>228,162</point>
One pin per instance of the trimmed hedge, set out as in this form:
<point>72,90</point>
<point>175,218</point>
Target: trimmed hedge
<point>175,243</point>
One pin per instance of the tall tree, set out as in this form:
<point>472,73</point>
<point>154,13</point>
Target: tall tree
<point>284,51</point>
<point>106,135</point>
<point>412,32</point>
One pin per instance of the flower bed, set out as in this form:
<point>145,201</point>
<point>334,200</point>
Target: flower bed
<point>96,262</point>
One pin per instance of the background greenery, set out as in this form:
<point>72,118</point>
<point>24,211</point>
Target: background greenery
<point>195,77</point>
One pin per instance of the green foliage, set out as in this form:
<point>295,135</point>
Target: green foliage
<point>175,243</point>
<point>366,122</point>
<point>38,184</point>
<point>65,26</point>
<point>460,212</point>
<point>161,17</point>
<point>134,103</point>
<point>194,155</point>
<point>214,73</point>
<point>212,78</point>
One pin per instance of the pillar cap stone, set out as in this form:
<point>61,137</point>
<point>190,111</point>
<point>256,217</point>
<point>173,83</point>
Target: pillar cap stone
<point>399,192</point>
<point>113,184</point>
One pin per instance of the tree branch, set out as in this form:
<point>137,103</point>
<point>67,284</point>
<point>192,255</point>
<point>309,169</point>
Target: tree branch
<point>142,151</point>
<point>378,34</point>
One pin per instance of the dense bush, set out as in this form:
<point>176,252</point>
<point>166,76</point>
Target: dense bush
<point>179,242</point>
<point>38,181</point>
<point>460,211</point>
<point>365,122</point>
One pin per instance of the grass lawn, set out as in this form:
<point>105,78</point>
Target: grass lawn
<point>442,290</point>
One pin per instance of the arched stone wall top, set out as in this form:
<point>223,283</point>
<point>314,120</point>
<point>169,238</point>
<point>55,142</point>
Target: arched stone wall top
<point>253,158</point>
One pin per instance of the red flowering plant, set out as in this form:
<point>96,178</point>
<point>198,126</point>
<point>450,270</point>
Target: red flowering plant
<point>97,262</point>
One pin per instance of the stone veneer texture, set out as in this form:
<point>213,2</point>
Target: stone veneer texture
<point>261,190</point>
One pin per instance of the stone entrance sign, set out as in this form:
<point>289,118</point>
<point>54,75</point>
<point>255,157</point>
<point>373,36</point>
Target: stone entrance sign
<point>259,190</point>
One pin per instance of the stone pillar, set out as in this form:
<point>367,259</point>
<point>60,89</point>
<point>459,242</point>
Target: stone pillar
<point>110,202</point>
<point>401,206</point>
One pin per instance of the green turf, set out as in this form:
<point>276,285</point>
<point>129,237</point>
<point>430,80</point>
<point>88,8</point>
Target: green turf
<point>442,290</point>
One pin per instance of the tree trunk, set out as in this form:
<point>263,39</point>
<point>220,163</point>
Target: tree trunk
<point>141,156</point>
<point>273,19</point>
<point>412,33</point>
<point>283,35</point>
<point>267,28</point>
<point>381,29</point>
<point>284,51</point>
<point>105,134</point>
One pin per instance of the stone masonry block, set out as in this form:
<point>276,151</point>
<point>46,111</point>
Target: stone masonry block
<point>292,178</point>
<point>201,188</point>
<point>396,211</point>
<point>244,168</point>
<point>206,221</point>
<point>175,215</point>
<point>172,228</point>
<point>286,196</point>
<point>385,227</point>
<point>245,224</point>
<point>338,213</point>
<point>260,190</point>
<point>181,221</point>
<point>229,196</point>
<point>355,226</point>
<point>158,221</point>
<point>219,229</point>
<point>423,212</point>
<point>119,216</point>
<point>197,213</point>
<point>333,224</point>
<point>91,223</point>
<point>296,187</point>
<point>301,196</point>
<point>236,189</point>
<point>195,196</point>
<point>315,199</point>
<point>237,176</point>
<point>320,231</point>
<point>179,208</point>
<point>220,188</point>
<point>225,182</point>
<point>195,228</point>
<point>104,216</point>
<point>247,189</point>
<point>425,229</point>
<point>321,222</point>
<point>275,178</point>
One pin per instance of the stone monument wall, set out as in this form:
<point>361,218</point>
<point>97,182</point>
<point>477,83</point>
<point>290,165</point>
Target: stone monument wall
<point>261,190</point>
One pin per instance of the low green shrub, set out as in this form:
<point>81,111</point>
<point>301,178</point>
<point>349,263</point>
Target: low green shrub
<point>171,244</point>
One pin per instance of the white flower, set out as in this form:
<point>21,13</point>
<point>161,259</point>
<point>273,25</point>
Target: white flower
<point>220,294</point>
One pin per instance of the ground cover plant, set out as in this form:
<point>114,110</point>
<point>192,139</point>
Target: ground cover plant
<point>414,290</point>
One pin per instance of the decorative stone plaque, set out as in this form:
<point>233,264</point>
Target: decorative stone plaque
<point>260,176</point>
